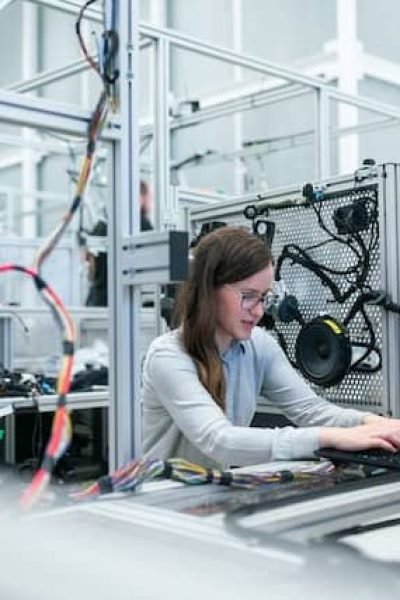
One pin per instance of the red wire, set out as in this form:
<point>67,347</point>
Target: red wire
<point>61,429</point>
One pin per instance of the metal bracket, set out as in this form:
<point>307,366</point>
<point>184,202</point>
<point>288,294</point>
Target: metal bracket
<point>155,257</point>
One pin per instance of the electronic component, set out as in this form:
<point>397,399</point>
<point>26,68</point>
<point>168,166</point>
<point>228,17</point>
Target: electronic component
<point>262,228</point>
<point>205,229</point>
<point>313,193</point>
<point>351,218</point>
<point>323,351</point>
<point>282,305</point>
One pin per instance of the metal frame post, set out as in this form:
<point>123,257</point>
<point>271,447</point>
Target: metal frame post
<point>162,133</point>
<point>390,252</point>
<point>124,301</point>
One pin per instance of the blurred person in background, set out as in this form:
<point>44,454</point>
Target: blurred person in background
<point>97,258</point>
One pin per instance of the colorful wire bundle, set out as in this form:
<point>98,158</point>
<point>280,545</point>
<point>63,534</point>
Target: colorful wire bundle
<point>136,472</point>
<point>95,125</point>
<point>61,432</point>
<point>104,65</point>
<point>61,428</point>
<point>125,479</point>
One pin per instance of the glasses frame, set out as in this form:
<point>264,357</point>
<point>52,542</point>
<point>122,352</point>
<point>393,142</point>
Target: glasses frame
<point>249,299</point>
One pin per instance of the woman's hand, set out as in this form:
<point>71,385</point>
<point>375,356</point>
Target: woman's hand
<point>391,423</point>
<point>376,432</point>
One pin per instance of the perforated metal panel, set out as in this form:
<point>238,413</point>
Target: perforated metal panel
<point>298,224</point>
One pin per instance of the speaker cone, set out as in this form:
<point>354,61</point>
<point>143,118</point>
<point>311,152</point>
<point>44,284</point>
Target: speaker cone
<point>323,351</point>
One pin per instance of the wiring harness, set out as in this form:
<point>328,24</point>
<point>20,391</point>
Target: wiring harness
<point>61,427</point>
<point>136,472</point>
<point>61,432</point>
<point>357,232</point>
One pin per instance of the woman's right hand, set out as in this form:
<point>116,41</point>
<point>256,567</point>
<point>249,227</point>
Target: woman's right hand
<point>381,434</point>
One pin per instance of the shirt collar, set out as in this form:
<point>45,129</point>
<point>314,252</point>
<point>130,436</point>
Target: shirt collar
<point>236,346</point>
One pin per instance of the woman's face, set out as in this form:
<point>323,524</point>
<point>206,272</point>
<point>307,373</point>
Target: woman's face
<point>240,307</point>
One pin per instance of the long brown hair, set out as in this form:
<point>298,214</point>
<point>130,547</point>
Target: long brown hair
<point>226,255</point>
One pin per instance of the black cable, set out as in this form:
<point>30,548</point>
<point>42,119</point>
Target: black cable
<point>356,275</point>
<point>332,235</point>
<point>109,73</point>
<point>82,44</point>
<point>282,342</point>
<point>305,261</point>
<point>359,365</point>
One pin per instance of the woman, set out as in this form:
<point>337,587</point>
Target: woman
<point>201,381</point>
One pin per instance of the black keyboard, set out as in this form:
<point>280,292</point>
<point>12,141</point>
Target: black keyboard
<point>373,458</point>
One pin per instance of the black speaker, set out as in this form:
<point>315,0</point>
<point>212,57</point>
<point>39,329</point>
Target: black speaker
<point>323,351</point>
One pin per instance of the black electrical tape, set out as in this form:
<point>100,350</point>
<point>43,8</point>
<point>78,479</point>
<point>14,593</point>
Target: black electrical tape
<point>226,478</point>
<point>112,36</point>
<point>48,463</point>
<point>286,476</point>
<point>68,347</point>
<point>168,470</point>
<point>40,283</point>
<point>90,148</point>
<point>105,484</point>
<point>19,268</point>
<point>62,400</point>
<point>75,203</point>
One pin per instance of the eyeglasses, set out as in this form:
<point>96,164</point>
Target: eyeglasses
<point>249,299</point>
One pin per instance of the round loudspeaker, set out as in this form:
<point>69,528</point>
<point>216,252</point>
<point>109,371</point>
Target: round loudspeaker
<point>323,351</point>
